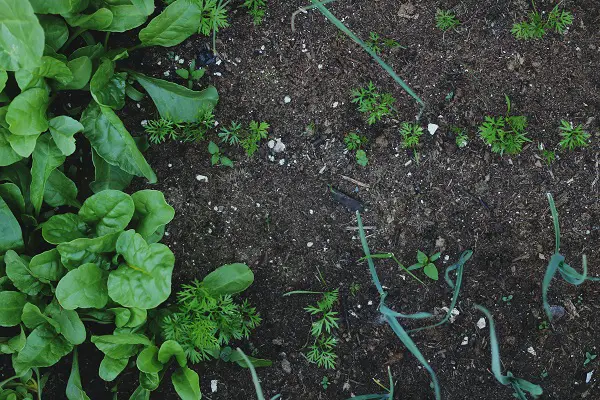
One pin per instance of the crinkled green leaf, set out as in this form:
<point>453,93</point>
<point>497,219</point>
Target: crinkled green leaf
<point>8,155</point>
<point>125,18</point>
<point>23,145</point>
<point>32,318</point>
<point>151,212</point>
<point>51,68</point>
<point>64,228</point>
<point>108,176</point>
<point>58,6</point>
<point>108,211</point>
<point>17,269</point>
<point>47,266</point>
<point>11,194</point>
<point>108,88</point>
<point>71,326</point>
<point>60,190</point>
<point>44,348</point>
<point>56,31</point>
<point>85,250</point>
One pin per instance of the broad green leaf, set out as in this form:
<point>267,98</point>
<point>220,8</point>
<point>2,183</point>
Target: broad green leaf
<point>58,6</point>
<point>27,112</point>
<point>145,6</point>
<point>11,194</point>
<point>176,23</point>
<point>126,17</point>
<point>421,257</point>
<point>71,326</point>
<point>129,317</point>
<point>110,368</point>
<point>122,316</point>
<point>74,389</point>
<point>60,190</point>
<point>14,344</point>
<point>175,102</point>
<point>32,318</point>
<point>83,251</point>
<point>431,271</point>
<point>17,269</point>
<point>98,20</point>
<point>113,143</point>
<point>21,36</point>
<point>11,307</point>
<point>108,211</point>
<point>3,79</point>
<point>229,279</point>
<point>64,228</point>
<point>151,212</point>
<point>81,70</point>
<point>149,381</point>
<point>108,88</point>
<point>147,361</point>
<point>140,394</point>
<point>44,348</point>
<point>144,280</point>
<point>56,31</point>
<point>83,287</point>
<point>8,155</point>
<point>186,383</point>
<point>11,236</point>
<point>93,52</point>
<point>108,176</point>
<point>19,174</point>
<point>237,358</point>
<point>123,345</point>
<point>63,129</point>
<point>169,349</point>
<point>23,145</point>
<point>46,158</point>
<point>47,267</point>
<point>50,68</point>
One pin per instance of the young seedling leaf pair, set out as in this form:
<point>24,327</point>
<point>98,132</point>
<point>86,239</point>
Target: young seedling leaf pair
<point>217,157</point>
<point>427,263</point>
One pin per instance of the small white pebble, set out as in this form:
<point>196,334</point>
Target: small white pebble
<point>465,341</point>
<point>262,47</point>
<point>287,99</point>
<point>370,303</point>
<point>531,351</point>
<point>138,105</point>
<point>144,122</point>
<point>218,74</point>
<point>159,63</point>
<point>169,165</point>
<point>181,61</point>
<point>219,61</point>
<point>257,204</point>
<point>446,257</point>
<point>320,66</point>
<point>213,385</point>
<point>282,161</point>
<point>176,58</point>
<point>311,212</point>
<point>335,104</point>
<point>588,377</point>
<point>309,244</point>
<point>166,73</point>
<point>432,128</point>
<point>200,178</point>
<point>481,323</point>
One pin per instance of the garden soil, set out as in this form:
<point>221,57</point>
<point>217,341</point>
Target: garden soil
<point>274,211</point>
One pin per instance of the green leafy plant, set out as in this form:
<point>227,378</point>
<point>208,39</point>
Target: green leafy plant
<point>256,9</point>
<point>354,289</point>
<point>410,133</point>
<point>257,131</point>
<point>377,43</point>
<point>461,136</point>
<point>549,156</point>
<point>372,103</point>
<point>231,135</point>
<point>446,20</point>
<point>160,130</point>
<point>535,27</point>
<point>589,357</point>
<point>191,74</point>
<point>355,142</point>
<point>543,325</point>
<point>505,134</point>
<point>322,351</point>
<point>572,137</point>
<point>217,157</point>
<point>507,299</point>
<point>427,263</point>
<point>325,382</point>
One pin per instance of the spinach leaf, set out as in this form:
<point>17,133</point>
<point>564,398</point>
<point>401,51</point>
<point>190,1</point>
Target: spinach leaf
<point>186,383</point>
<point>50,68</point>
<point>108,176</point>
<point>175,102</point>
<point>108,211</point>
<point>129,317</point>
<point>64,228</point>
<point>169,349</point>
<point>56,31</point>
<point>13,197</point>
<point>81,70</point>
<point>83,287</point>
<point>149,381</point>
<point>69,323</point>
<point>60,190</point>
<point>74,389</point>
<point>144,280</point>
<point>176,23</point>
<point>151,212</point>
<point>98,20</point>
<point>108,88</point>
<point>11,307</point>
<point>63,129</point>
<point>140,394</point>
<point>11,236</point>
<point>22,36</point>
<point>229,279</point>
<point>145,6</point>
<point>44,347</point>
<point>27,112</point>
<point>46,158</point>
<point>93,52</point>
<point>23,145</point>
<point>17,269</point>
<point>58,6</point>
<point>122,345</point>
<point>113,143</point>
<point>47,267</point>
<point>147,361</point>
<point>32,317</point>
<point>8,155</point>
<point>83,251</point>
<point>110,368</point>
<point>125,18</point>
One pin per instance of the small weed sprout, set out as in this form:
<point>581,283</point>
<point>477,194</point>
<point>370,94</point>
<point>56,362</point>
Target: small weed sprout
<point>372,103</point>
<point>445,20</point>
<point>536,28</point>
<point>160,130</point>
<point>256,9</point>
<point>231,134</point>
<point>355,142</point>
<point>461,137</point>
<point>507,299</point>
<point>217,157</point>
<point>257,131</point>
<point>427,263</point>
<point>325,382</point>
<point>589,357</point>
<point>354,289</point>
<point>377,43</point>
<point>411,132</point>
<point>191,74</point>
<point>505,135</point>
<point>572,137</point>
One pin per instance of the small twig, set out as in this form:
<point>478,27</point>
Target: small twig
<point>355,228</point>
<point>359,183</point>
<point>304,10</point>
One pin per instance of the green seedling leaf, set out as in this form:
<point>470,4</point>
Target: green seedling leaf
<point>422,257</point>
<point>122,345</point>
<point>47,267</point>
<point>176,23</point>
<point>213,148</point>
<point>26,115</point>
<point>70,325</point>
<point>126,17</point>
<point>32,317</point>
<point>63,129</point>
<point>431,271</point>
<point>22,38</point>
<point>108,176</point>
<point>83,287</point>
<point>108,88</point>
<point>82,251</point>
<point>147,361</point>
<point>81,70</point>
<point>229,279</point>
<point>186,383</point>
<point>11,307</point>
<point>58,6</point>
<point>171,348</point>
<point>435,257</point>
<point>8,155</point>
<point>98,20</point>
<point>56,31</point>
<point>60,190</point>
<point>183,73</point>
<point>74,389</point>
<point>107,212</point>
<point>149,381</point>
<point>110,368</point>
<point>151,212</point>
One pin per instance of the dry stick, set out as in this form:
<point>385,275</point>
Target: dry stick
<point>304,10</point>
<point>359,183</point>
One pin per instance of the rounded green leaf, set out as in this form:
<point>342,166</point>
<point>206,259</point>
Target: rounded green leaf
<point>81,70</point>
<point>11,307</point>
<point>27,112</point>
<point>83,287</point>
<point>169,349</point>
<point>44,347</point>
<point>56,31</point>
<point>17,269</point>
<point>176,23</point>
<point>186,383</point>
<point>64,228</point>
<point>8,155</point>
<point>63,129</point>
<point>108,88</point>
<point>98,20</point>
<point>58,6</point>
<point>47,266</point>
<point>229,279</point>
<point>431,271</point>
<point>151,212</point>
<point>83,251</point>
<point>108,211</point>
<point>11,194</point>
<point>60,190</point>
<point>23,146</point>
<point>32,317</point>
<point>126,17</point>
<point>144,280</point>
<point>22,36</point>
<point>147,361</point>
<point>123,345</point>
<point>149,381</point>
<point>46,158</point>
<point>11,236</point>
<point>70,325</point>
<point>110,368</point>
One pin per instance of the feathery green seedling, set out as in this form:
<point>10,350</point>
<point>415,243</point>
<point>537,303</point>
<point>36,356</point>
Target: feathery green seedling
<point>520,386</point>
<point>322,351</point>
<point>427,263</point>
<point>557,264</point>
<point>505,134</point>
<point>461,137</point>
<point>231,135</point>
<point>256,8</point>
<point>572,137</point>
<point>259,393</point>
<point>536,28</point>
<point>385,396</point>
<point>257,131</point>
<point>377,43</point>
<point>320,5</point>
<point>372,103</point>
<point>411,133</point>
<point>445,20</point>
<point>354,288</point>
<point>191,74</point>
<point>217,157</point>
<point>356,142</point>
<point>160,130</point>
<point>325,382</point>
<point>543,325</point>
<point>549,156</point>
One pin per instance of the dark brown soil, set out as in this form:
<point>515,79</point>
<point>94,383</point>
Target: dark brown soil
<point>265,212</point>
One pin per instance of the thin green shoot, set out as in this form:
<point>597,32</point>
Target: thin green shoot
<point>259,393</point>
<point>385,396</point>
